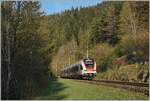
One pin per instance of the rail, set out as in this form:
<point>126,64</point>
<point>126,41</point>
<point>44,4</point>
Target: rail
<point>133,86</point>
<point>124,82</point>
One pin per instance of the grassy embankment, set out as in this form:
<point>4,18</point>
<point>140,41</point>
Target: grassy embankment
<point>68,89</point>
<point>125,73</point>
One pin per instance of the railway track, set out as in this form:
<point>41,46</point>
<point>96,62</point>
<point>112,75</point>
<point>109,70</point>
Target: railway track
<point>137,87</point>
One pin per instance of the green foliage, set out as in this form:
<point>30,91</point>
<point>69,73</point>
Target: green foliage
<point>104,56</point>
<point>110,30</point>
<point>135,47</point>
<point>105,27</point>
<point>23,38</point>
<point>126,73</point>
<point>134,17</point>
<point>33,43</point>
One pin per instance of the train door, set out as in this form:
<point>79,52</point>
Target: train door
<point>80,68</point>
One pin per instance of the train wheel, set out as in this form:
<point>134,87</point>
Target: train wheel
<point>81,77</point>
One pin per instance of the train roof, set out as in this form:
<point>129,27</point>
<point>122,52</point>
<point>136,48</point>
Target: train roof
<point>76,63</point>
<point>71,66</point>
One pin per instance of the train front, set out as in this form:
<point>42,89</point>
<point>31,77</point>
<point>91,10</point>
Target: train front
<point>89,68</point>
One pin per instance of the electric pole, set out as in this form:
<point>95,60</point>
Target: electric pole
<point>87,52</point>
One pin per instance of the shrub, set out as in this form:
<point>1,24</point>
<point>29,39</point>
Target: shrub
<point>135,47</point>
<point>104,56</point>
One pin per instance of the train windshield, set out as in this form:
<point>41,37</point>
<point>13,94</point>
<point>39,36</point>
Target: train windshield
<point>89,63</point>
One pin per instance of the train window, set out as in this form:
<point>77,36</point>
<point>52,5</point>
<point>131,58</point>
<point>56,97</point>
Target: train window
<point>76,68</point>
<point>89,63</point>
<point>80,67</point>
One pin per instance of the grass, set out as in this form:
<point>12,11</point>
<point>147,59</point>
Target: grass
<point>71,90</point>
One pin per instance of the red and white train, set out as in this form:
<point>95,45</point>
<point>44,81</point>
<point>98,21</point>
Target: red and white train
<point>85,68</point>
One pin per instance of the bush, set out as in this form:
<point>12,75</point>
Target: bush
<point>135,47</point>
<point>104,56</point>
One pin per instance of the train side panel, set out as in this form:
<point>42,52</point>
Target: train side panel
<point>84,69</point>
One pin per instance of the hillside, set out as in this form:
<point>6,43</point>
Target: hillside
<point>110,30</point>
<point>35,46</point>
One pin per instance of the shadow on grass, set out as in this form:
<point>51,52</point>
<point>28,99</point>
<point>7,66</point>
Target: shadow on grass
<point>52,92</point>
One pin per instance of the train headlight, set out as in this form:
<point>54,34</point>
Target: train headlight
<point>85,70</point>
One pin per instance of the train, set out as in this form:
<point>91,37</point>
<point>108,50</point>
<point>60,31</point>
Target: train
<point>84,69</point>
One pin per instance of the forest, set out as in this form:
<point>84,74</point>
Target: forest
<point>35,46</point>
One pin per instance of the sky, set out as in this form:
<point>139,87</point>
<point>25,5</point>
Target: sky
<point>57,6</point>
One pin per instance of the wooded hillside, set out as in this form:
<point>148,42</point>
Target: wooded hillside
<point>35,47</point>
<point>116,34</point>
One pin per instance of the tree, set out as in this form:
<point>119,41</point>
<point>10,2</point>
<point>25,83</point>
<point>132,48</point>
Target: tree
<point>21,42</point>
<point>10,20</point>
<point>134,17</point>
<point>105,27</point>
<point>128,20</point>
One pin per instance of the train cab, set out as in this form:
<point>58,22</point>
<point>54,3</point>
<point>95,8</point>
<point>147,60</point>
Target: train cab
<point>89,67</point>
